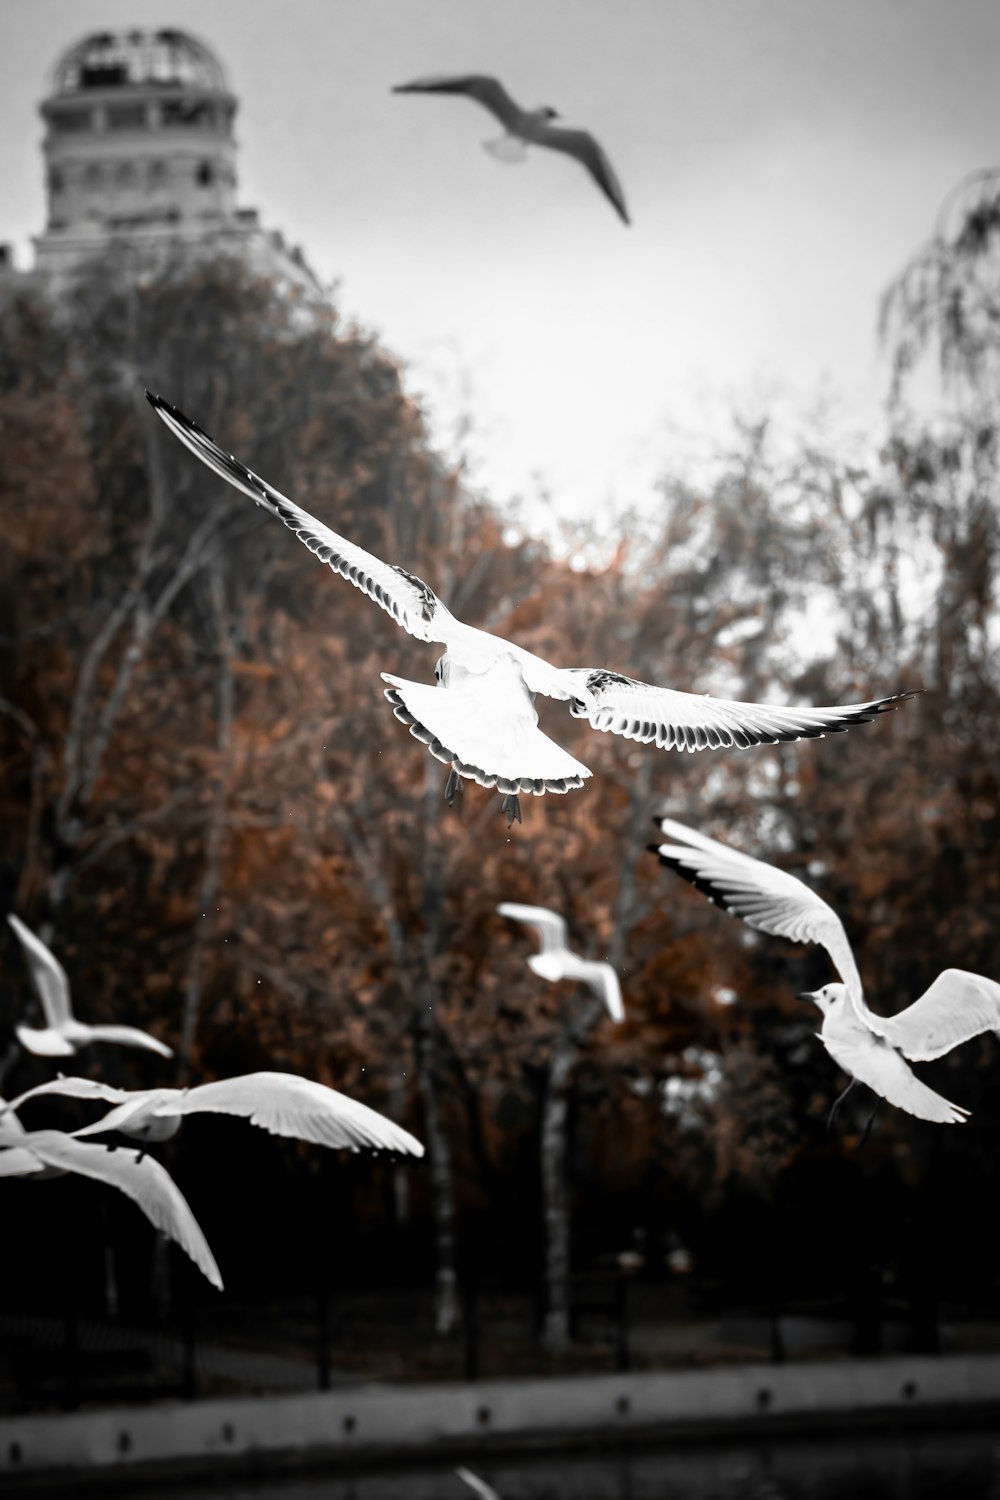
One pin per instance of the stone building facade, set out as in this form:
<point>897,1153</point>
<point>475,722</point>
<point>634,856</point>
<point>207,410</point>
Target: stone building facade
<point>141,157</point>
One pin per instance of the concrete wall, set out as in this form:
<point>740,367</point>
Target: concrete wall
<point>381,1421</point>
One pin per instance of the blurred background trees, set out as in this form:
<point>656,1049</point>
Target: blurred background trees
<point>209,811</point>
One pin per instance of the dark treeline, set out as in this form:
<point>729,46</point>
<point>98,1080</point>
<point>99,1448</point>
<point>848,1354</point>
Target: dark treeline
<point>211,815</point>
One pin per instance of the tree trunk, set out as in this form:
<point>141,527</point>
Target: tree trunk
<point>555,1176</point>
<point>400,1171</point>
<point>439,1164</point>
<point>229,637</point>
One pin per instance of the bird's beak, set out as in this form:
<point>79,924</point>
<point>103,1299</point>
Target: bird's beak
<point>807,995</point>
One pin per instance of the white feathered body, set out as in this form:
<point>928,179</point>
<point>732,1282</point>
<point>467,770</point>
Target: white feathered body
<point>874,1061</point>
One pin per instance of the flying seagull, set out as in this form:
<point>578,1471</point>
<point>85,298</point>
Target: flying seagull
<point>527,127</point>
<point>557,961</point>
<point>480,718</point>
<point>281,1103</point>
<point>63,1035</point>
<point>42,1154</point>
<point>868,1047</point>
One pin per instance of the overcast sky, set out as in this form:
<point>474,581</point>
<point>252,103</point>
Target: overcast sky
<point>781,159</point>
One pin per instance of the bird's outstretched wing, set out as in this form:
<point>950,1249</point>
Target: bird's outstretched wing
<point>410,602</point>
<point>762,896</point>
<point>285,1104</point>
<point>487,91</point>
<point>693,721</point>
<point>588,152</point>
<point>145,1182</point>
<point>549,925</point>
<point>129,1036</point>
<point>604,982</point>
<point>47,972</point>
<point>955,1008</point>
<point>71,1088</point>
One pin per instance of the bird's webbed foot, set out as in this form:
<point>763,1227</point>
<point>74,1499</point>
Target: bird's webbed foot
<point>511,805</point>
<point>453,787</point>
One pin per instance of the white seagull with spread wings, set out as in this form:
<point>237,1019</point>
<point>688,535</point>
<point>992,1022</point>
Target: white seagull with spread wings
<point>557,961</point>
<point>480,718</point>
<point>527,127</point>
<point>869,1047</point>
<point>281,1103</point>
<point>63,1035</point>
<point>42,1154</point>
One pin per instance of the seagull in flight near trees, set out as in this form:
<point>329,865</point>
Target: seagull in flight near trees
<point>42,1154</point>
<point>870,1048</point>
<point>63,1035</point>
<point>480,718</point>
<point>527,127</point>
<point>281,1103</point>
<point>557,961</point>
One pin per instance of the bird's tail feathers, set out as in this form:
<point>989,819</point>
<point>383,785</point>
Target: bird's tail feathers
<point>926,1104</point>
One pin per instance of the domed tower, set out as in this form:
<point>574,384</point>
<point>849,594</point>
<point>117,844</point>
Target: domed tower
<point>139,140</point>
<point>139,151</point>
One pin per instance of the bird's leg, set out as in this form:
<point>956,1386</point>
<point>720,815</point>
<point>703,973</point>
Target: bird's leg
<point>868,1124</point>
<point>142,1149</point>
<point>453,787</point>
<point>511,805</point>
<point>837,1103</point>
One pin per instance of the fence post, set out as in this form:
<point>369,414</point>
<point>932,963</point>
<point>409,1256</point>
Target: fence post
<point>323,1336</point>
<point>622,1310</point>
<point>470,1327</point>
<point>71,1348</point>
<point>189,1387</point>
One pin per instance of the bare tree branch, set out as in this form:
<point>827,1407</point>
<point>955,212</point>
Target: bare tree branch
<point>40,762</point>
<point>145,620</point>
<point>119,833</point>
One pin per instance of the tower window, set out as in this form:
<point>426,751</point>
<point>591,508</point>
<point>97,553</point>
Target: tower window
<point>186,112</point>
<point>126,116</point>
<point>93,174</point>
<point>56,183</point>
<point>96,77</point>
<point>70,121</point>
<point>205,174</point>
